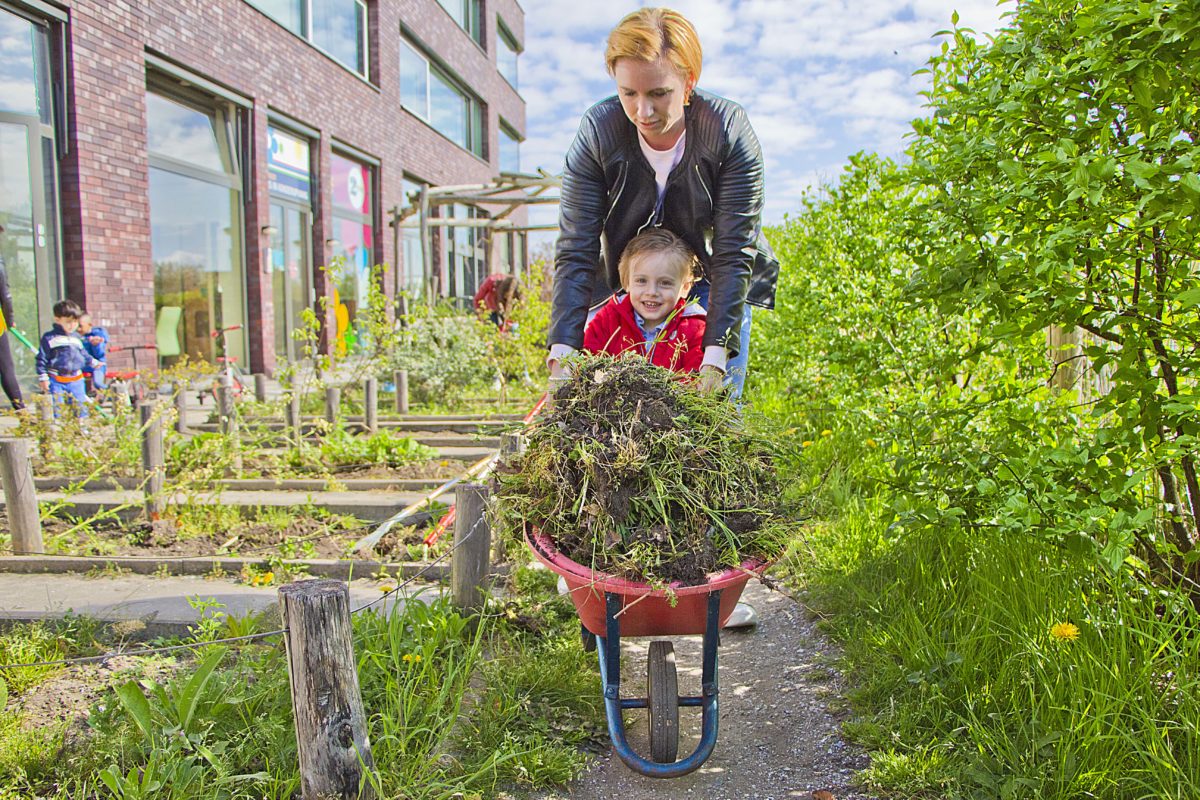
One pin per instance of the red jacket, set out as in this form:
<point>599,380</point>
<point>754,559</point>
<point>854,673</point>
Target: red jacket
<point>680,345</point>
<point>485,295</point>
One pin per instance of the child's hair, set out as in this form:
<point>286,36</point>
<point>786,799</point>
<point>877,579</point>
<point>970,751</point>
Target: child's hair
<point>67,308</point>
<point>508,289</point>
<point>659,240</point>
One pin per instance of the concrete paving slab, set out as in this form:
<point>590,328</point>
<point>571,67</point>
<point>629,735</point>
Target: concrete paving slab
<point>161,603</point>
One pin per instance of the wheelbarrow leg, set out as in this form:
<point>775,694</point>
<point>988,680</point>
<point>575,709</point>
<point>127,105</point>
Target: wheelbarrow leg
<point>608,649</point>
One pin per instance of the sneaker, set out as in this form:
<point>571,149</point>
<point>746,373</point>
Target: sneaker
<point>743,616</point>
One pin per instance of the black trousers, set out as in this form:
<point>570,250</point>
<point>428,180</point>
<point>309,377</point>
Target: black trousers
<point>8,373</point>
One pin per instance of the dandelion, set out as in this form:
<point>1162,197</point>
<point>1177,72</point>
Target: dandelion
<point>407,658</point>
<point>827,432</point>
<point>387,587</point>
<point>871,443</point>
<point>1064,631</point>
<point>806,443</point>
<point>411,658</point>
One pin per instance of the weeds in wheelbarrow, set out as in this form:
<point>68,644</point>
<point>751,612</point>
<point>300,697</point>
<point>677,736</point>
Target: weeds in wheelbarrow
<point>640,475</point>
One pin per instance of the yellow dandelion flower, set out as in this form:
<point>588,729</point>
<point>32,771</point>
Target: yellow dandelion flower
<point>416,659</point>
<point>269,577</point>
<point>871,443</point>
<point>827,432</point>
<point>806,443</point>
<point>1064,631</point>
<point>407,657</point>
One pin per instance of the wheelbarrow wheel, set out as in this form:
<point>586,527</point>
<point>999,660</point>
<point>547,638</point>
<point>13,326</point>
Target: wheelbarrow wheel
<point>662,687</point>
<point>589,639</point>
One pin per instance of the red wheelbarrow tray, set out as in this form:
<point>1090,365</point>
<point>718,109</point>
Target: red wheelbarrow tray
<point>650,610</point>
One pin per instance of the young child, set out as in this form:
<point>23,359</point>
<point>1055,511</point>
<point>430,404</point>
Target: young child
<point>653,316</point>
<point>61,358</point>
<point>95,342</point>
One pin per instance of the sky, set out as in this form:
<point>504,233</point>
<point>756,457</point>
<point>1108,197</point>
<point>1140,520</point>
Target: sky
<point>820,79</point>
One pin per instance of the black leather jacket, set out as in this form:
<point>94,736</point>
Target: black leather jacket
<point>713,200</point>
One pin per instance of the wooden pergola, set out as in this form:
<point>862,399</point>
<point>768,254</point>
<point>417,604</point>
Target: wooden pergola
<point>499,198</point>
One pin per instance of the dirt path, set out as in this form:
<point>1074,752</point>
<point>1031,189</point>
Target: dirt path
<point>780,706</point>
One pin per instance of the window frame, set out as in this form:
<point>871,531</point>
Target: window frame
<point>475,124</point>
<point>506,131</point>
<point>506,40</point>
<point>361,13</point>
<point>473,13</point>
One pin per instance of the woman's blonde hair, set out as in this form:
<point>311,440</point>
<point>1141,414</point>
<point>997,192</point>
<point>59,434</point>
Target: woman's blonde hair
<point>651,33</point>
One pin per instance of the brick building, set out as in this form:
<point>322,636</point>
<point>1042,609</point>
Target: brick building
<point>182,165</point>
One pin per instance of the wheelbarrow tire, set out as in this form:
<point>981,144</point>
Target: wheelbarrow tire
<point>589,639</point>
<point>662,687</point>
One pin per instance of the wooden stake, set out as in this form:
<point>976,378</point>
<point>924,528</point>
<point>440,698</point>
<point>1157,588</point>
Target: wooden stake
<point>294,421</point>
<point>331,727</point>
<point>401,391</point>
<point>333,403</point>
<point>181,390</point>
<point>20,498</point>
<point>371,404</point>
<point>472,544</point>
<point>153,462</point>
<point>260,387</point>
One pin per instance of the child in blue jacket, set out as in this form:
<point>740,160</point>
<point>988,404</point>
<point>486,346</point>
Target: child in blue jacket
<point>61,358</point>
<point>95,342</point>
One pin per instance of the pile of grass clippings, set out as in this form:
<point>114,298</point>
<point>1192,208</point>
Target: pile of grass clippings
<point>639,474</point>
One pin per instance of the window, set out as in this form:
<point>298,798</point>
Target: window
<point>354,242</point>
<point>433,95</point>
<point>506,54</point>
<point>195,225</point>
<point>338,27</point>
<point>466,14</point>
<point>510,150</point>
<point>464,256</point>
<point>412,278</point>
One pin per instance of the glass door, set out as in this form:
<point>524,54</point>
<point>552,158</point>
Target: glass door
<point>291,270</point>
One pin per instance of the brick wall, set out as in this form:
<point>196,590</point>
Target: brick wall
<point>231,43</point>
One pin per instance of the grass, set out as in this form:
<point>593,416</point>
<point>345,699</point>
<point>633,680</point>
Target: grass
<point>455,709</point>
<point>962,688</point>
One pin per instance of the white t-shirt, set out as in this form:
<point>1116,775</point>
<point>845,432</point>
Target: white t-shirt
<point>663,161</point>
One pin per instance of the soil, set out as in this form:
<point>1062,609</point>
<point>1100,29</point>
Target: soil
<point>159,539</point>
<point>781,710</point>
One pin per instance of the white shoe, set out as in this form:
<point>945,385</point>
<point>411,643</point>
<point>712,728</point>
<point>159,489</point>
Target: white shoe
<point>743,616</point>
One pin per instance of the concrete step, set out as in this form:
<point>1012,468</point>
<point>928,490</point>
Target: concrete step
<point>80,483</point>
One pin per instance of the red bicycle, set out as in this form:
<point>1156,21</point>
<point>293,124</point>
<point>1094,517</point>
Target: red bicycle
<point>228,372</point>
<point>127,381</point>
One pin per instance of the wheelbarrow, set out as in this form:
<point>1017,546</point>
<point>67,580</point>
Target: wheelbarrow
<point>610,608</point>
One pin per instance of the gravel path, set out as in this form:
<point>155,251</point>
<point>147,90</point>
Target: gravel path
<point>781,711</point>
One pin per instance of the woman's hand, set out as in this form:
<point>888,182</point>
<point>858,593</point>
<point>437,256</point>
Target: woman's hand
<point>710,379</point>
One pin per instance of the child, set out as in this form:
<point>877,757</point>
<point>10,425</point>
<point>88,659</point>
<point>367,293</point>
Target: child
<point>61,358</point>
<point>653,316</point>
<point>95,342</point>
<point>8,369</point>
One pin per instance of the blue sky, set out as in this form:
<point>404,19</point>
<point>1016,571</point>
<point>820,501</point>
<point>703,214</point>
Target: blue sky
<point>820,79</point>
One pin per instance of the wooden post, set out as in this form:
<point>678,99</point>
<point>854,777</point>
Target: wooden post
<point>45,403</point>
<point>181,390</point>
<point>295,422</point>
<point>153,463</point>
<point>371,404</point>
<point>229,422</point>
<point>472,544</point>
<point>20,498</point>
<point>333,402</point>
<point>260,387</point>
<point>512,444</point>
<point>401,377</point>
<point>331,727</point>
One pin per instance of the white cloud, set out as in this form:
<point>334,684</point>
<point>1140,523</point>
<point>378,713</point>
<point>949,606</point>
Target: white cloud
<point>820,79</point>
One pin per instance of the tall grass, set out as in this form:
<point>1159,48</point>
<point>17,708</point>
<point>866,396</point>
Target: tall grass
<point>963,689</point>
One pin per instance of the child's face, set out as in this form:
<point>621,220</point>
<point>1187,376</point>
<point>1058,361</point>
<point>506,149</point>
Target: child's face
<point>655,286</point>
<point>68,324</point>
<point>85,324</point>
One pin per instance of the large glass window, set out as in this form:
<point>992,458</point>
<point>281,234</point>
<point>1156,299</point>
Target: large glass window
<point>290,183</point>
<point>29,241</point>
<point>510,150</point>
<point>339,27</point>
<point>354,235</point>
<point>506,54</point>
<point>195,227</point>
<point>433,95</point>
<point>466,14</point>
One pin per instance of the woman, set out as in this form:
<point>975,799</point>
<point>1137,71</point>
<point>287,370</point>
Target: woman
<point>663,153</point>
